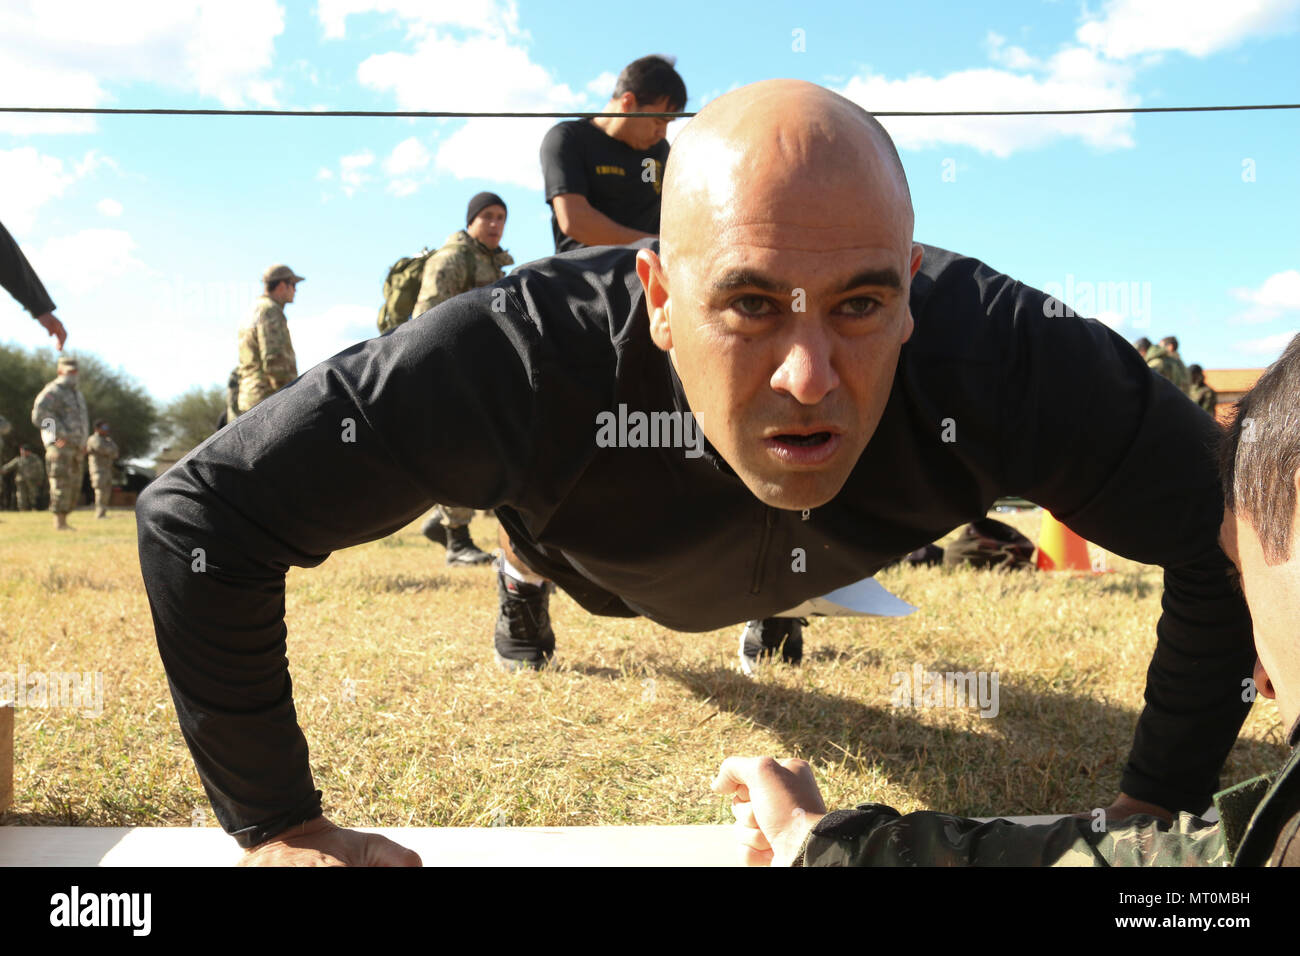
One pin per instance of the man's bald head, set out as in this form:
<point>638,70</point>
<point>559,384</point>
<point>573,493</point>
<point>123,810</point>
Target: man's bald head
<point>774,144</point>
<point>780,289</point>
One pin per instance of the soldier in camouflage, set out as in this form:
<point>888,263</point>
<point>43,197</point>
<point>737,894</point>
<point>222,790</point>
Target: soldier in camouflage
<point>1200,392</point>
<point>782,819</point>
<point>266,359</point>
<point>102,452</point>
<point>1166,365</point>
<point>60,413</point>
<point>28,474</point>
<point>470,258</point>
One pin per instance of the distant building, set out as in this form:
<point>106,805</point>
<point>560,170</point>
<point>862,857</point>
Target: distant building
<point>1231,384</point>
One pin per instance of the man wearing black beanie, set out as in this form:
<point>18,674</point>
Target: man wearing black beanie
<point>471,257</point>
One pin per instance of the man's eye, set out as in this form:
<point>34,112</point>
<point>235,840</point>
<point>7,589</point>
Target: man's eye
<point>752,305</point>
<point>862,305</point>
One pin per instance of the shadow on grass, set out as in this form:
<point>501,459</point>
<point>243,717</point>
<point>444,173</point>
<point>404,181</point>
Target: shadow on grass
<point>1038,755</point>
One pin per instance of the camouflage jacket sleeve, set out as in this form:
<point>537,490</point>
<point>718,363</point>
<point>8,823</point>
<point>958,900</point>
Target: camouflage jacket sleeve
<point>447,273</point>
<point>875,835</point>
<point>278,359</point>
<point>10,465</point>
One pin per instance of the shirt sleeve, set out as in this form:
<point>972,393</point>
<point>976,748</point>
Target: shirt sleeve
<point>563,166</point>
<point>1122,457</point>
<point>352,451</point>
<point>875,835</point>
<point>20,279</point>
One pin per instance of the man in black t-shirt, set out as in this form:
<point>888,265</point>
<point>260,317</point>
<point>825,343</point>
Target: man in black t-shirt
<point>603,176</point>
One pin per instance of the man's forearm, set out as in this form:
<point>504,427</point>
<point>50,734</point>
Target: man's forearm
<point>593,228</point>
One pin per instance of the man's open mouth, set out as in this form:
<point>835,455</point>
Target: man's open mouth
<point>804,441</point>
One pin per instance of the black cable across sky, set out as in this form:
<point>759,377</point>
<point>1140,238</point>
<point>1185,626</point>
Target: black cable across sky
<point>454,114</point>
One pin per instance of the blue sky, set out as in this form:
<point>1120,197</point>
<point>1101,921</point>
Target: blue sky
<point>151,233</point>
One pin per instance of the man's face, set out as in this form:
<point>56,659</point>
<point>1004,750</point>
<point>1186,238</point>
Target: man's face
<point>1273,593</point>
<point>284,292</point>
<point>489,226</point>
<point>644,132</point>
<point>785,327</point>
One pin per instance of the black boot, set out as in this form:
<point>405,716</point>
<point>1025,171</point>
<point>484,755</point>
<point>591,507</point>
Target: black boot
<point>461,550</point>
<point>761,639</point>
<point>433,530</point>
<point>523,638</point>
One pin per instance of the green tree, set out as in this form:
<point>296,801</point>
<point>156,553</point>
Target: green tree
<point>191,417</point>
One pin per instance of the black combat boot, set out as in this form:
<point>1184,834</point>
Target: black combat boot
<point>524,638</point>
<point>461,550</point>
<point>434,531</point>
<point>761,639</point>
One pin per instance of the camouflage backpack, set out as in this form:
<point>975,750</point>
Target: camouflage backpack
<point>989,543</point>
<point>401,291</point>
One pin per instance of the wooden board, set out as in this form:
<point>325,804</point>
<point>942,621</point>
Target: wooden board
<point>437,846</point>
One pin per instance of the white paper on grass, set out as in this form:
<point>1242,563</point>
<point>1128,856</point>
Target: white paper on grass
<point>866,597</point>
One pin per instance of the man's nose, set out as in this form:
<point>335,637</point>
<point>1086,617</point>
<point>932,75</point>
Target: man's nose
<point>806,372</point>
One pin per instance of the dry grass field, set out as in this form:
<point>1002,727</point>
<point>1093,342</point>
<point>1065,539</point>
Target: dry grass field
<point>630,726</point>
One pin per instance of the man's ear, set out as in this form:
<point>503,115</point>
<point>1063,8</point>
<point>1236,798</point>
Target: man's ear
<point>650,270</point>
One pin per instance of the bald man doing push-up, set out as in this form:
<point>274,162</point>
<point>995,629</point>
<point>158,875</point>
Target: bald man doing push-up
<point>858,395</point>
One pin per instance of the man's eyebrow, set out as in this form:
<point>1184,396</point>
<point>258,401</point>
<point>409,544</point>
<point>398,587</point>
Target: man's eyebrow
<point>734,279</point>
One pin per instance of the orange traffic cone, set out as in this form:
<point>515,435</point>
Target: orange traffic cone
<point>1060,549</point>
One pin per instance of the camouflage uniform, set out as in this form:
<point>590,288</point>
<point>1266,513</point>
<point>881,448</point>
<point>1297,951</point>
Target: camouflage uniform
<point>462,263</point>
<point>1170,366</point>
<point>28,475</point>
<point>1259,826</point>
<point>266,359</point>
<point>103,452</point>
<point>1205,396</point>
<point>60,412</point>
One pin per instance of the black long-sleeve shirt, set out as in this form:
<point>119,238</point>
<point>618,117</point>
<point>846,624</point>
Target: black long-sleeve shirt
<point>20,279</point>
<point>472,406</point>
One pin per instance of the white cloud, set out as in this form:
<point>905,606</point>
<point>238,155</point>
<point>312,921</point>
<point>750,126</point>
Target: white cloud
<point>69,53</point>
<point>1269,347</point>
<point>407,167</point>
<point>1279,291</point>
<point>86,260</point>
<point>503,150</point>
<point>28,180</point>
<point>431,77</point>
<point>408,156</point>
<point>352,170</point>
<point>318,335</point>
<point>1073,78</point>
<point>602,87</point>
<point>1129,28</point>
<point>109,207</point>
<point>1012,57</point>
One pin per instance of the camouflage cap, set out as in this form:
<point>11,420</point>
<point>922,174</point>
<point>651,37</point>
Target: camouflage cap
<point>279,273</point>
<point>67,361</point>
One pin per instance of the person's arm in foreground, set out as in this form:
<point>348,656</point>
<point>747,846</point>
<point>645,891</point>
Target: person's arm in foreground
<point>350,452</point>
<point>782,821</point>
<point>21,281</point>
